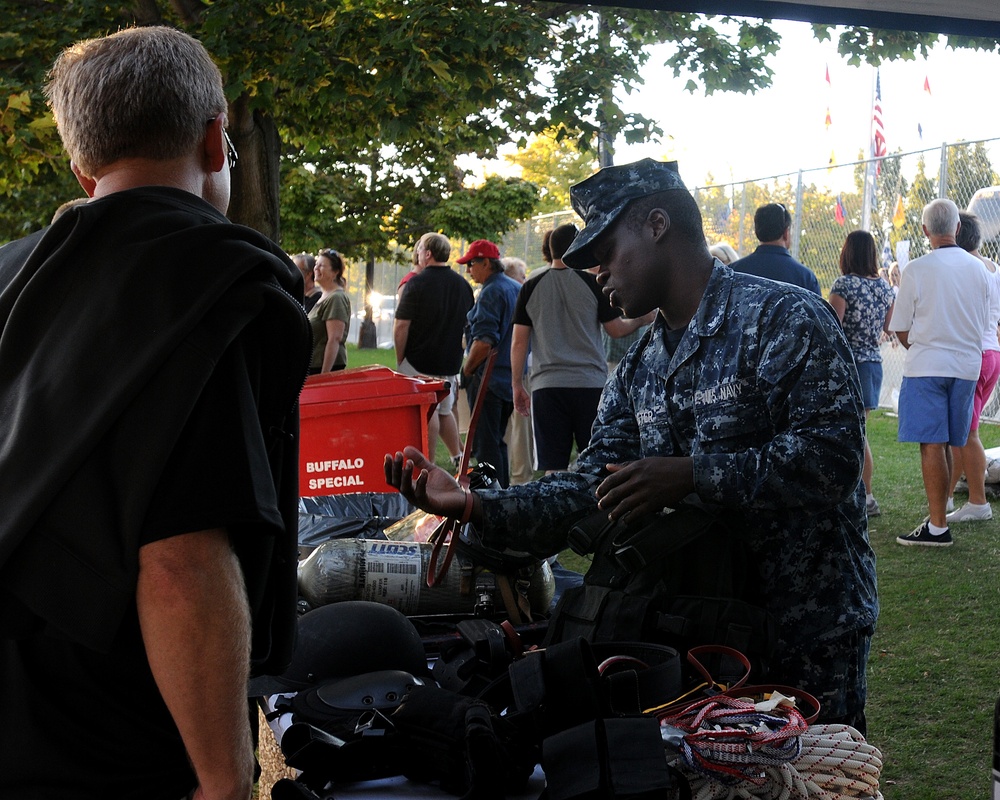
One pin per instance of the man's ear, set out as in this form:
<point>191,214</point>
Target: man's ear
<point>89,184</point>
<point>659,222</point>
<point>215,144</point>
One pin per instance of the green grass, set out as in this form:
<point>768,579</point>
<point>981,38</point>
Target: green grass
<point>362,358</point>
<point>934,672</point>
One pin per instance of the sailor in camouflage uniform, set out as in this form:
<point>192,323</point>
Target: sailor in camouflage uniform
<point>742,395</point>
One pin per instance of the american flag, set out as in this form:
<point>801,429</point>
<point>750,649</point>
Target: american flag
<point>878,132</point>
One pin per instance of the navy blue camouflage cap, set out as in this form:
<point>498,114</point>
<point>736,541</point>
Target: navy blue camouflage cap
<point>603,196</point>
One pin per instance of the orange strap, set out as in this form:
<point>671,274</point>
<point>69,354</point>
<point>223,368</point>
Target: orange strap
<point>447,529</point>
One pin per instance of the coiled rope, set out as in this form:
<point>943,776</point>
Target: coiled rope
<point>728,740</point>
<point>835,763</point>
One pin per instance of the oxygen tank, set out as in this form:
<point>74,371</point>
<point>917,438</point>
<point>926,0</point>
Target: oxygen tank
<point>394,573</point>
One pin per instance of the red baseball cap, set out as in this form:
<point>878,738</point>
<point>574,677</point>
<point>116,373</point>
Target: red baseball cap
<point>481,248</point>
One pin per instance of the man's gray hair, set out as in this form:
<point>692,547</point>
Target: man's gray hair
<point>940,217</point>
<point>139,93</point>
<point>515,268</point>
<point>306,262</point>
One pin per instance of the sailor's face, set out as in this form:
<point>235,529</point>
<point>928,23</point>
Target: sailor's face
<point>625,274</point>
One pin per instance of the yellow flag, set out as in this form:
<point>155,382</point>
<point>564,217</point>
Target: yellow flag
<point>899,216</point>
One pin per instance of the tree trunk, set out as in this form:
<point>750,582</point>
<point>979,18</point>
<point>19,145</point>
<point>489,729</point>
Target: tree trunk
<point>254,201</point>
<point>367,333</point>
<point>605,137</point>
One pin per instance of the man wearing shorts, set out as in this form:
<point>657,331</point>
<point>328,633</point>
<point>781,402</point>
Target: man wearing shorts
<point>427,331</point>
<point>940,315</point>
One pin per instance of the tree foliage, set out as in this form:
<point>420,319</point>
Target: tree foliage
<point>969,169</point>
<point>553,166</point>
<point>367,90</point>
<point>873,45</point>
<point>923,189</point>
<point>349,116</point>
<point>487,212</point>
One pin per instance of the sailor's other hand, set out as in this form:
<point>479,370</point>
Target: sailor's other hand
<point>424,484</point>
<point>643,487</point>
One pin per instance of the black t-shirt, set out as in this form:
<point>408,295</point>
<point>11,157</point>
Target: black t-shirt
<point>83,724</point>
<point>436,302</point>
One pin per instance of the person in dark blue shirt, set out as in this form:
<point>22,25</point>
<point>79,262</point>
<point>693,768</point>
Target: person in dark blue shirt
<point>773,226</point>
<point>489,326</point>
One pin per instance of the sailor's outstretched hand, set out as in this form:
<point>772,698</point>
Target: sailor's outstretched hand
<point>424,484</point>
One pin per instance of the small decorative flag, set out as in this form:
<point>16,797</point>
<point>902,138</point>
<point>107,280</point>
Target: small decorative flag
<point>927,85</point>
<point>899,215</point>
<point>828,76</point>
<point>920,131</point>
<point>839,213</point>
<point>829,119</point>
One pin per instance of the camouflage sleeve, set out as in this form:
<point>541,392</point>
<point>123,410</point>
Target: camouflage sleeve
<point>806,443</point>
<point>537,516</point>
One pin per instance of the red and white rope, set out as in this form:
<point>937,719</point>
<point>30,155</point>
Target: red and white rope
<point>836,763</point>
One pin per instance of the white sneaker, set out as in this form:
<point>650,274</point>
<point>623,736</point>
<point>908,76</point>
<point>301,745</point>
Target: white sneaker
<point>949,506</point>
<point>971,513</point>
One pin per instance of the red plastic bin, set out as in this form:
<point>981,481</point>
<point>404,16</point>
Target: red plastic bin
<point>350,419</point>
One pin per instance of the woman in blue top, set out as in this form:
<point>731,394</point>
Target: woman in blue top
<point>863,300</point>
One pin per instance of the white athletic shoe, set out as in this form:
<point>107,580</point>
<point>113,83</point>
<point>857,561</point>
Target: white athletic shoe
<point>971,513</point>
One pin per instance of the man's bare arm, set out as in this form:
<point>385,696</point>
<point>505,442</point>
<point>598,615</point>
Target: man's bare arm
<point>400,335</point>
<point>623,326</point>
<point>195,624</point>
<point>520,339</point>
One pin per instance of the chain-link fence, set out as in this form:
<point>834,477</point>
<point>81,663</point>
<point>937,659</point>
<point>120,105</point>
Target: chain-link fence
<point>885,196</point>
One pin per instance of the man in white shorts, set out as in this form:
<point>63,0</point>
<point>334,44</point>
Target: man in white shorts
<point>427,331</point>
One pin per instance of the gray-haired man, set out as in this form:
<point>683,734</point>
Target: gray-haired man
<point>149,464</point>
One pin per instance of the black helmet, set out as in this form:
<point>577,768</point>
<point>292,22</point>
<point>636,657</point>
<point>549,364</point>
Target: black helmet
<point>343,639</point>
